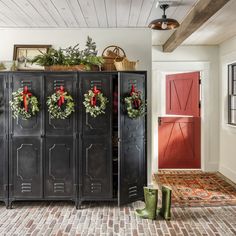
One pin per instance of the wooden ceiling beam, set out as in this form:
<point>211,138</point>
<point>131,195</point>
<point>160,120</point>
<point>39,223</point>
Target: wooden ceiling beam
<point>201,12</point>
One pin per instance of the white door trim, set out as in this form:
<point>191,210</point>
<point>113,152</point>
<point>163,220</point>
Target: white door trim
<point>158,70</point>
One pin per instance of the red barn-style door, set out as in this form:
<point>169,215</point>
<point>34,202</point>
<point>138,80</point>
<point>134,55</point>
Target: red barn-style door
<point>179,134</point>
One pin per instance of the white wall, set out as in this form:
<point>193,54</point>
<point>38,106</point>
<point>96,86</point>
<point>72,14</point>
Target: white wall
<point>227,133</point>
<point>190,58</point>
<point>136,43</point>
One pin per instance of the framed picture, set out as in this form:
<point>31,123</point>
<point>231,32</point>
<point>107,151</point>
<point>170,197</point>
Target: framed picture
<point>24,53</point>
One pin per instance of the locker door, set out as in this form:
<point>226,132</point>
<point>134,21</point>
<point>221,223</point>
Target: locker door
<point>132,138</point>
<point>3,138</point>
<point>96,157</point>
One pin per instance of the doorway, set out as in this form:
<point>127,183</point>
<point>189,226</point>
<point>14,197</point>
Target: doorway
<point>179,136</point>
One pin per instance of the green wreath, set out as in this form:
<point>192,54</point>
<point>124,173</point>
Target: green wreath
<point>135,105</point>
<point>95,102</point>
<point>60,104</point>
<point>24,104</point>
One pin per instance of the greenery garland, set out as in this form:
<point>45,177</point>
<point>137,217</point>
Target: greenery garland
<point>24,104</point>
<point>135,105</point>
<point>95,102</point>
<point>60,104</point>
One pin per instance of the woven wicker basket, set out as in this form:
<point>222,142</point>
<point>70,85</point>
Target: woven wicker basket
<point>125,64</point>
<point>110,54</point>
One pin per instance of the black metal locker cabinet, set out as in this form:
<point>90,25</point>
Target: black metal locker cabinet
<point>26,143</point>
<point>132,138</point>
<point>95,155</point>
<point>72,159</point>
<point>60,134</point>
<point>4,138</point>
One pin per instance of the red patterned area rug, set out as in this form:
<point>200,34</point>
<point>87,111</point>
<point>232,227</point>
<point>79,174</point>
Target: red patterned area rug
<point>197,188</point>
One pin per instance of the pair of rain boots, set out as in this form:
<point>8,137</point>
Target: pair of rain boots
<point>151,197</point>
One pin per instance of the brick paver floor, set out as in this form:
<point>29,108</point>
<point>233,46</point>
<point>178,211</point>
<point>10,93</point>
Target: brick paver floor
<point>61,218</point>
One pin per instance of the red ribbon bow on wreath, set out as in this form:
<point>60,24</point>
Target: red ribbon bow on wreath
<point>26,94</point>
<point>93,100</point>
<point>133,90</point>
<point>61,92</point>
<point>137,101</point>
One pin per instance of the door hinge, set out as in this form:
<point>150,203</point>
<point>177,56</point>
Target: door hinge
<point>199,104</point>
<point>200,81</point>
<point>159,121</point>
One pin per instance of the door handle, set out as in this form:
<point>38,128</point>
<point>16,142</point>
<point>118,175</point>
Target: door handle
<point>159,121</point>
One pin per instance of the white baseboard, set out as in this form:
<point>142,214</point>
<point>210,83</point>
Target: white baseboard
<point>212,166</point>
<point>227,172</point>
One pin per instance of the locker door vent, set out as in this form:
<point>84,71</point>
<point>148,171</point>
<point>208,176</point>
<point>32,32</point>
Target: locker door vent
<point>59,187</point>
<point>96,188</point>
<point>26,83</point>
<point>58,83</point>
<point>26,188</point>
<point>132,191</point>
<point>97,83</point>
<point>132,82</point>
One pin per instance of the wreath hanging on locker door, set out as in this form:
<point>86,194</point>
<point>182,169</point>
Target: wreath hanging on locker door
<point>134,104</point>
<point>95,102</point>
<point>24,104</point>
<point>60,104</point>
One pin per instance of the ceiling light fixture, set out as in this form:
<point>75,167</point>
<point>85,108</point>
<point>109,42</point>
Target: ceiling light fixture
<point>164,23</point>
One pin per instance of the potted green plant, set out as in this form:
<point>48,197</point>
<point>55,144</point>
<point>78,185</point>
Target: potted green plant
<point>71,58</point>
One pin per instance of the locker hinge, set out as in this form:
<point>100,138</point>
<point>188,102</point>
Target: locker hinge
<point>10,187</point>
<point>76,135</point>
<point>6,187</point>
<point>80,187</point>
<point>200,81</point>
<point>76,187</point>
<point>199,105</point>
<point>79,83</point>
<point>11,85</point>
<point>6,85</point>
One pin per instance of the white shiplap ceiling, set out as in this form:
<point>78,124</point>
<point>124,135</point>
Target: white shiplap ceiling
<point>114,14</point>
<point>86,13</point>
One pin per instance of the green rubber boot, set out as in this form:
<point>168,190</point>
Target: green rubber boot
<point>165,210</point>
<point>149,212</point>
